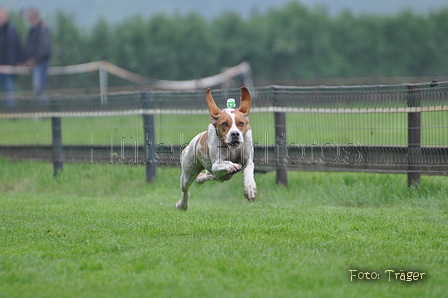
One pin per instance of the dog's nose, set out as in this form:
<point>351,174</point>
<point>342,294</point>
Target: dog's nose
<point>235,134</point>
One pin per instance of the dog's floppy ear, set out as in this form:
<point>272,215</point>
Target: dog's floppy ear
<point>245,101</point>
<point>212,107</point>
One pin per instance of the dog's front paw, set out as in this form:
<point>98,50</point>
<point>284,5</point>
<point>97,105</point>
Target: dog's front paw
<point>250,191</point>
<point>200,178</point>
<point>203,177</point>
<point>235,168</point>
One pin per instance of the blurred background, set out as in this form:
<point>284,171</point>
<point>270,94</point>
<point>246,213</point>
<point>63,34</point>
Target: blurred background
<point>308,42</point>
<point>290,43</point>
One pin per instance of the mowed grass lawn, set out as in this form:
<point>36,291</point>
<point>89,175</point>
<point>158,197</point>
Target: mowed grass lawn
<point>101,231</point>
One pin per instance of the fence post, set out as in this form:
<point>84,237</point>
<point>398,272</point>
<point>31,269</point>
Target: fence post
<point>103,84</point>
<point>56,135</point>
<point>150,137</point>
<point>280,146</point>
<point>414,136</point>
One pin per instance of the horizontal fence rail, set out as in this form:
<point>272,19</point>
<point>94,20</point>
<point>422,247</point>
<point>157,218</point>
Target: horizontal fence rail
<point>381,128</point>
<point>141,112</point>
<point>242,69</point>
<point>431,161</point>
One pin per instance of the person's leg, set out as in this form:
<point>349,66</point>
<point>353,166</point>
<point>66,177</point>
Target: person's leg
<point>44,75</point>
<point>40,80</point>
<point>8,83</point>
<point>40,77</point>
<point>36,79</point>
<point>2,82</point>
<point>9,86</point>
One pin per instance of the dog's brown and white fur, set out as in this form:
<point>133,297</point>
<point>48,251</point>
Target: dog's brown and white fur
<point>223,150</point>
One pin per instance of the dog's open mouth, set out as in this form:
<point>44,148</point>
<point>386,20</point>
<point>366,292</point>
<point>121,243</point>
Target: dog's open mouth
<point>233,144</point>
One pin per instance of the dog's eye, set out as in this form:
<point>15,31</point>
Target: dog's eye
<point>225,124</point>
<point>241,124</point>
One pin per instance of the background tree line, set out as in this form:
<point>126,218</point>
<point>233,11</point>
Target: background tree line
<point>291,42</point>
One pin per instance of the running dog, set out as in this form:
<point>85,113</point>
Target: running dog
<point>224,149</point>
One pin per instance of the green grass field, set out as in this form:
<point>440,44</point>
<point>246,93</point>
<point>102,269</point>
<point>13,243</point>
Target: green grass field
<point>100,231</point>
<point>365,129</point>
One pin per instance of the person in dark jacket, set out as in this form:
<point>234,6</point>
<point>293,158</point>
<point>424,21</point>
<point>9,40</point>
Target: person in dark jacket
<point>37,52</point>
<point>10,53</point>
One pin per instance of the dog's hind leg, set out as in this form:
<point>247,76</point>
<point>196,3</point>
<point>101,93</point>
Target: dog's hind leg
<point>189,172</point>
<point>185,183</point>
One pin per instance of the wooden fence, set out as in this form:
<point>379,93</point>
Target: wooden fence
<point>284,154</point>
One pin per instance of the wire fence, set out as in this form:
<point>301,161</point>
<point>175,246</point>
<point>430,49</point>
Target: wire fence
<point>394,128</point>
